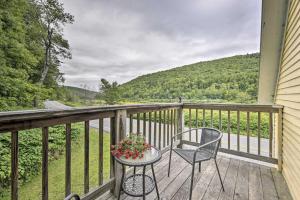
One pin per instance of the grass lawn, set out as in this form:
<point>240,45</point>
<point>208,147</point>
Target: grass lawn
<point>32,190</point>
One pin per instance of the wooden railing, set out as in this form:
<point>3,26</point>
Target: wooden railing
<point>253,138</point>
<point>157,122</point>
<point>156,131</point>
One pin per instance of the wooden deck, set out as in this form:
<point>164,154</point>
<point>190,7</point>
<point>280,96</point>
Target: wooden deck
<point>242,180</point>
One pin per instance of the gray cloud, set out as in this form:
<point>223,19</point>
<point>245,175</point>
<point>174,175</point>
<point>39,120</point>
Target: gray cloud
<point>122,39</point>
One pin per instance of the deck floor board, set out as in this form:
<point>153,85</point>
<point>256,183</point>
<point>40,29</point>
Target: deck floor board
<point>242,181</point>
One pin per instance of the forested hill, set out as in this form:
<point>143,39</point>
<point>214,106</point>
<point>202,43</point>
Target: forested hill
<point>80,92</point>
<point>232,79</point>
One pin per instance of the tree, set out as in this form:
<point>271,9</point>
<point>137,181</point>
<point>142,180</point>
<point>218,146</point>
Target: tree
<point>52,19</point>
<point>30,30</point>
<point>109,92</point>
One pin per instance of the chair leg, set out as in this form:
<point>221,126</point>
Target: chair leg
<point>199,166</point>
<point>170,162</point>
<point>219,174</point>
<point>192,181</point>
<point>154,178</point>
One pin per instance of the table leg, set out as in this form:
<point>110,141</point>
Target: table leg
<point>144,184</point>
<point>155,181</point>
<point>123,174</point>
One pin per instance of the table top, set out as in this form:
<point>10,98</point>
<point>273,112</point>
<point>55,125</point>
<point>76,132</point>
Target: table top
<point>151,156</point>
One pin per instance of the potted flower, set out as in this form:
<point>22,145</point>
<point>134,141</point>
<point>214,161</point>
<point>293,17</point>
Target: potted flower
<point>133,147</point>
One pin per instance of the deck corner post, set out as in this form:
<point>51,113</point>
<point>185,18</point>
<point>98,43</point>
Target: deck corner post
<point>279,139</point>
<point>180,121</point>
<point>120,133</point>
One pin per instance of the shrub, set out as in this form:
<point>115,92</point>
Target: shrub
<point>30,155</point>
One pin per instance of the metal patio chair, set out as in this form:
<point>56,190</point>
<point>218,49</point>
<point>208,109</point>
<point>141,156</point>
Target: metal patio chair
<point>207,148</point>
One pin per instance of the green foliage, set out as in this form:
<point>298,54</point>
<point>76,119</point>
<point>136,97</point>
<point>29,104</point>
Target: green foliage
<point>16,92</point>
<point>253,122</point>
<point>232,79</point>
<point>22,52</point>
<point>109,92</point>
<point>30,147</point>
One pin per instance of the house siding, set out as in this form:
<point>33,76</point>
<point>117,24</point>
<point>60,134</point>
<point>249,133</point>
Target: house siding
<point>288,95</point>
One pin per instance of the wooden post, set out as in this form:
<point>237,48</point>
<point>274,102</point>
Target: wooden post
<point>68,160</point>
<point>100,164</point>
<point>112,142</point>
<point>45,163</point>
<point>279,139</point>
<point>14,165</point>
<point>86,156</point>
<point>120,133</point>
<point>180,122</point>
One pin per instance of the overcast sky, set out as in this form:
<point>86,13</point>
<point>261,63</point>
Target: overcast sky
<point>122,39</point>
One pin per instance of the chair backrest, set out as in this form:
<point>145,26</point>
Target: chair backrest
<point>208,135</point>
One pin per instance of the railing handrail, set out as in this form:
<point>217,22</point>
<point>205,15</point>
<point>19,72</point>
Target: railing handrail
<point>5,116</point>
<point>27,119</point>
<point>32,114</point>
<point>20,118</point>
<point>235,106</point>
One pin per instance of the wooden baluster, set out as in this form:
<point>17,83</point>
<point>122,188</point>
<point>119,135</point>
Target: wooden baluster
<point>203,117</point>
<point>197,132</point>
<point>228,130</point>
<point>164,135</point>
<point>150,132</point>
<point>159,131</point>
<point>168,127</point>
<point>176,125</point>
<point>100,161</point>
<point>68,160</point>
<point>14,165</point>
<point>238,130</point>
<point>211,118</point>
<point>258,132</point>
<point>86,155</point>
<point>190,125</point>
<point>112,142</point>
<point>220,124</point>
<point>172,124</point>
<point>155,128</point>
<point>45,137</point>
<point>248,132</point>
<point>270,134</point>
<point>138,123</point>
<point>144,125</point>
<point>130,124</point>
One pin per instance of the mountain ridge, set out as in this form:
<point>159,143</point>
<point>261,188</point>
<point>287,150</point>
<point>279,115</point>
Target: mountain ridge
<point>229,79</point>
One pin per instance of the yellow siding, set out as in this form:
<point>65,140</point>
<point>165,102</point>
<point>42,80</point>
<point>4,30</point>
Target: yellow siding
<point>288,95</point>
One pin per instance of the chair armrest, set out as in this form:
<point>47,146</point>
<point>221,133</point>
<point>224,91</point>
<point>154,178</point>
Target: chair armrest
<point>184,132</point>
<point>71,196</point>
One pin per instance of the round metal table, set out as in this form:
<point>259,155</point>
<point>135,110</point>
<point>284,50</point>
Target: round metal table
<point>139,185</point>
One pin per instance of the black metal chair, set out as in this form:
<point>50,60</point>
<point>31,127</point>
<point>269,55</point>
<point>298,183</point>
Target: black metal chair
<point>72,196</point>
<point>206,149</point>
